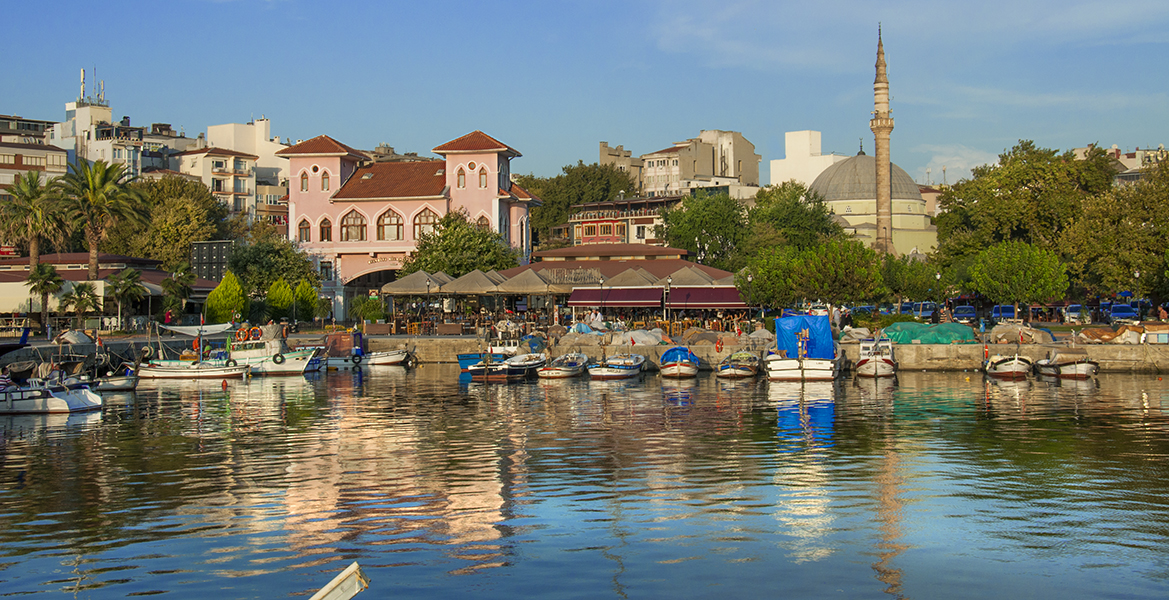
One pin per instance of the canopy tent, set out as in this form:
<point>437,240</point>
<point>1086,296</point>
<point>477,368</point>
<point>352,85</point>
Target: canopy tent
<point>496,276</point>
<point>688,276</point>
<point>413,284</point>
<point>704,297</point>
<point>526,283</point>
<point>197,330</point>
<point>643,297</point>
<point>474,283</point>
<point>630,278</point>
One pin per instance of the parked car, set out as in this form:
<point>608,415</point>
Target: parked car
<point>965,314</point>
<point>1122,314</point>
<point>1002,312</point>
<point>906,308</point>
<point>1076,313</point>
<point>924,310</point>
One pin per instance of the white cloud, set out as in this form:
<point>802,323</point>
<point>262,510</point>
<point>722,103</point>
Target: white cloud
<point>949,163</point>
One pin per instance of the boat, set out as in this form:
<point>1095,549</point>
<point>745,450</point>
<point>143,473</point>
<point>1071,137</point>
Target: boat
<point>38,396</point>
<point>1067,363</point>
<point>515,368</point>
<point>565,366</point>
<point>114,383</point>
<point>187,369</point>
<point>739,365</point>
<point>468,360</point>
<point>618,366</point>
<point>805,350</point>
<point>875,358</point>
<point>265,349</point>
<point>386,357</point>
<point>1012,367</point>
<point>678,362</point>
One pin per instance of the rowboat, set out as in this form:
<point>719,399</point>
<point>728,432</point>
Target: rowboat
<point>618,366</point>
<point>739,365</point>
<point>386,357</point>
<point>1008,367</point>
<point>679,361</point>
<point>515,368</point>
<point>183,369</point>
<point>1067,363</point>
<point>875,359</point>
<point>564,366</point>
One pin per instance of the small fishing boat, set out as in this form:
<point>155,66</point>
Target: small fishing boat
<point>265,349</point>
<point>1013,367</point>
<point>739,365</point>
<point>618,366</point>
<point>184,369</point>
<point>515,368</point>
<point>37,396</point>
<point>678,362</point>
<point>1067,363</point>
<point>565,366</point>
<point>805,350</point>
<point>470,359</point>
<point>876,358</point>
<point>386,357</point>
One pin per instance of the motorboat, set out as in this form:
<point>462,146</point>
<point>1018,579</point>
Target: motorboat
<point>679,361</point>
<point>470,359</point>
<point>739,365</point>
<point>386,357</point>
<point>515,368</point>
<point>618,366</point>
<point>1013,367</point>
<point>1067,363</point>
<point>38,396</point>
<point>565,366</point>
<point>875,358</point>
<point>270,356</point>
<point>805,350</point>
<point>184,369</point>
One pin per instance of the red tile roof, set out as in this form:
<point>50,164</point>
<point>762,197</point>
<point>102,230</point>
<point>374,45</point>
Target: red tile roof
<point>670,150</point>
<point>476,141</point>
<point>395,180</point>
<point>611,268</point>
<point>322,144</point>
<point>613,250</point>
<point>48,147</point>
<point>218,152</point>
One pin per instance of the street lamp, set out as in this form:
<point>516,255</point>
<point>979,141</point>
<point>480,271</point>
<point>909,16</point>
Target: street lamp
<point>601,281</point>
<point>426,311</point>
<point>666,299</point>
<point>751,292</point>
<point>1137,292</point>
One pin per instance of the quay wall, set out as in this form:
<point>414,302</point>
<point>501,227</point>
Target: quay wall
<point>1113,358</point>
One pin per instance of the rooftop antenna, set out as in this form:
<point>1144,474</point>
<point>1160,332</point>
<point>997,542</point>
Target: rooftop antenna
<point>943,174</point>
<point>927,176</point>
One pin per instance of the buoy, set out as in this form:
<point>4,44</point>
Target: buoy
<point>225,385</point>
<point>967,379</point>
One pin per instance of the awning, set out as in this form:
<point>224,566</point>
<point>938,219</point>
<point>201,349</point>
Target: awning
<point>704,297</point>
<point>617,297</point>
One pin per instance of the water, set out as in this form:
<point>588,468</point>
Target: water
<point>942,485</point>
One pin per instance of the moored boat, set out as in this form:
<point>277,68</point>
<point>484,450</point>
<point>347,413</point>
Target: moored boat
<point>386,357</point>
<point>679,361</point>
<point>805,350</point>
<point>1008,366</point>
<point>183,369</point>
<point>1067,363</point>
<point>515,368</point>
<point>43,397</point>
<point>875,358</point>
<point>271,356</point>
<point>564,366</point>
<point>618,366</point>
<point>739,365</point>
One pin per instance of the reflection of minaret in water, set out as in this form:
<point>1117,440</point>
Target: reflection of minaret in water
<point>882,126</point>
<point>889,514</point>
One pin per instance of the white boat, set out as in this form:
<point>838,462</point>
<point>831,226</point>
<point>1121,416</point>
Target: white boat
<point>270,356</point>
<point>114,383</point>
<point>386,357</point>
<point>876,359</point>
<point>184,369</point>
<point>679,361</point>
<point>1008,366</point>
<point>1067,363</point>
<point>564,366</point>
<point>42,397</point>
<point>739,365</point>
<point>618,366</point>
<point>515,368</point>
<point>805,350</point>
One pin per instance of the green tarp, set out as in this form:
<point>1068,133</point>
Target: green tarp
<point>920,333</point>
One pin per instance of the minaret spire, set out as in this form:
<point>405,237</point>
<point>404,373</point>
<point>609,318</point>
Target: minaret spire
<point>882,126</point>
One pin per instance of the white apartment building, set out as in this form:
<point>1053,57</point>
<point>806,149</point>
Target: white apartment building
<point>255,138</point>
<point>802,160</point>
<point>230,175</point>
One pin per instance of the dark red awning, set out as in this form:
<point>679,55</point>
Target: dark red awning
<point>617,297</point>
<point>704,297</point>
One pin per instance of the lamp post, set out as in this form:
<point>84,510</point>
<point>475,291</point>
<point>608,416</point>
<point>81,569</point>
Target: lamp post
<point>666,299</point>
<point>751,292</point>
<point>426,311</point>
<point>938,287</point>
<point>1137,292</point>
<point>601,281</point>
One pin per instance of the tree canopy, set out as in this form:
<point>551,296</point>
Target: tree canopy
<point>259,264</point>
<point>96,198</point>
<point>178,213</point>
<point>226,300</point>
<point>837,271</point>
<point>457,247</point>
<point>32,214</point>
<point>576,184</point>
<point>1014,272</point>
<point>708,226</point>
<point>789,213</point>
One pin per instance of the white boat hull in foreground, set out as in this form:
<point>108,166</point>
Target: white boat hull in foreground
<point>876,359</point>
<point>47,399</point>
<point>1008,367</point>
<point>1068,363</point>
<point>618,366</point>
<point>808,369</point>
<point>191,370</point>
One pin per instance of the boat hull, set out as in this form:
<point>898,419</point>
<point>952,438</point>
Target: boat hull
<point>121,383</point>
<point>621,366</point>
<point>391,357</point>
<point>736,372</point>
<point>680,369</point>
<point>875,367</point>
<point>1076,370</point>
<point>564,367</point>
<point>808,369</point>
<point>191,370</point>
<point>294,362</point>
<point>50,399</point>
<point>1008,367</point>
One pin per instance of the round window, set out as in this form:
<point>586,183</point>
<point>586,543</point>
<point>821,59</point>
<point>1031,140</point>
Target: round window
<point>472,165</point>
<point>316,168</point>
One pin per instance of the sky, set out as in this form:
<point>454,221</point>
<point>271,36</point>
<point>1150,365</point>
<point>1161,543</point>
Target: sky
<point>552,79</point>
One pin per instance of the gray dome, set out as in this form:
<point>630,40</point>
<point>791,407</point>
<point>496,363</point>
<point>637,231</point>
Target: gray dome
<point>856,179</point>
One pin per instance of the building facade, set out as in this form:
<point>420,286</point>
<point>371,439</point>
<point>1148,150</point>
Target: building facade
<point>715,159</point>
<point>360,219</point>
<point>19,130</point>
<point>803,161</point>
<point>230,175</point>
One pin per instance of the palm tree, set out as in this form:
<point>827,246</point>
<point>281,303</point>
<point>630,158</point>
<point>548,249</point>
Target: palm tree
<point>177,287</point>
<point>96,198</point>
<point>44,280</point>
<point>32,214</point>
<point>81,299</point>
<point>124,286</point>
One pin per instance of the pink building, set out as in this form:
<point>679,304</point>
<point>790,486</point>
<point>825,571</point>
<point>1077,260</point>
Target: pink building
<point>360,219</point>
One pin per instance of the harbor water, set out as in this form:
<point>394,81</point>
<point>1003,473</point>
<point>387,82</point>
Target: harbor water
<point>936,485</point>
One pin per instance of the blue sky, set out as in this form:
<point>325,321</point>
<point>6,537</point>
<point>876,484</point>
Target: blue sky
<point>554,78</point>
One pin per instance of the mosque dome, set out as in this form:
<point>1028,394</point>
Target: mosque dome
<point>856,179</point>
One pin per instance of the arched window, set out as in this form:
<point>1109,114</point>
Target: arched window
<point>304,182</point>
<point>389,226</point>
<point>353,227</point>
<point>483,178</point>
<point>483,223</point>
<point>304,231</point>
<point>424,223</point>
<point>325,181</point>
<point>462,183</point>
<point>326,231</point>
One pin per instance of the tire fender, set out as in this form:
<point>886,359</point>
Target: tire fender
<point>231,362</point>
<point>278,359</point>
<point>356,359</point>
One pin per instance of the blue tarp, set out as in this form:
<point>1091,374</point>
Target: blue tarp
<point>815,328</point>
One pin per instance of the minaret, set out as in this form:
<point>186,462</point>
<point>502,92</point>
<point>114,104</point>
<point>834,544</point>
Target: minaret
<point>882,126</point>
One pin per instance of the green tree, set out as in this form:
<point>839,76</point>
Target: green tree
<point>369,308</point>
<point>177,288</point>
<point>1032,195</point>
<point>775,273</point>
<point>97,197</point>
<point>306,301</point>
<point>258,265</point>
<point>789,213</point>
<point>1014,272</point>
<point>457,247</point>
<point>81,299</point>
<point>576,184</point>
<point>125,286</point>
<point>32,214</point>
<point>838,271</point>
<point>909,279</point>
<point>43,280</point>
<point>226,300</point>
<point>279,299</point>
<point>179,212</point>
<point>710,226</point>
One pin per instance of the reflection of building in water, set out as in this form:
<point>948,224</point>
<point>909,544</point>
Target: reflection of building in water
<point>890,513</point>
<point>805,419</point>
